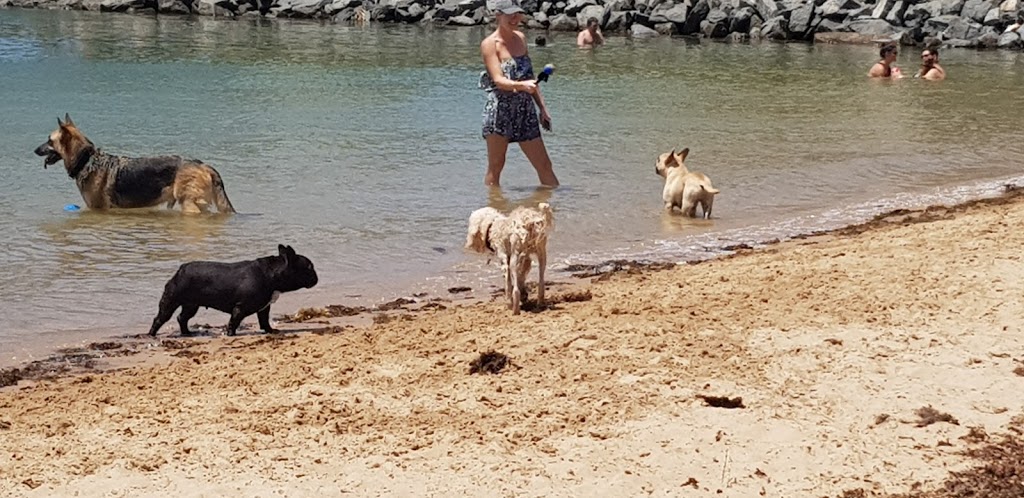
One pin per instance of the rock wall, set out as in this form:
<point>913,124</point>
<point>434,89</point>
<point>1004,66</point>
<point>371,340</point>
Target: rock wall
<point>956,23</point>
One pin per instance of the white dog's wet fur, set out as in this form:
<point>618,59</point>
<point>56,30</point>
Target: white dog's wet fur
<point>514,238</point>
<point>684,189</point>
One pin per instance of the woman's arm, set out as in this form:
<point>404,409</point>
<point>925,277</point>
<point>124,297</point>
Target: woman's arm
<point>489,50</point>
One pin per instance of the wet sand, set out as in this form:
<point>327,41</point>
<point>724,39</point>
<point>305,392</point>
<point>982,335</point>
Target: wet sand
<point>860,362</point>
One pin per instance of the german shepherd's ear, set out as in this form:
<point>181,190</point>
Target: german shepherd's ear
<point>67,120</point>
<point>682,155</point>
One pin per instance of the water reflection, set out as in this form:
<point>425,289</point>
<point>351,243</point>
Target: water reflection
<point>498,200</point>
<point>93,243</point>
<point>675,223</point>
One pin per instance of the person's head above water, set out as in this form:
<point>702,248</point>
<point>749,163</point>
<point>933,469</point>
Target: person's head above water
<point>888,52</point>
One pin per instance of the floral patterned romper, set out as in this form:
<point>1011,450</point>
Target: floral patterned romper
<point>511,115</point>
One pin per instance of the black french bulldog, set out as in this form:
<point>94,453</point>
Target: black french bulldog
<point>241,288</point>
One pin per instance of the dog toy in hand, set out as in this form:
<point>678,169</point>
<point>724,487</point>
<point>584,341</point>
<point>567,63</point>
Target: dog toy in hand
<point>546,72</point>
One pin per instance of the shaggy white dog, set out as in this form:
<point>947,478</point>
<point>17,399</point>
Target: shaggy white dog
<point>514,239</point>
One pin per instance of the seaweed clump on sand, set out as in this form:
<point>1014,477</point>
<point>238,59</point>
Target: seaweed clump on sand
<point>928,416</point>
<point>490,362</point>
<point>607,268</point>
<point>332,311</point>
<point>997,473</point>
<point>722,401</point>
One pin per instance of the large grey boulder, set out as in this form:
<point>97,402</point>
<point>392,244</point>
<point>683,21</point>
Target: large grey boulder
<point>461,20</point>
<point>831,8</point>
<point>667,12</point>
<point>595,11</point>
<point>696,15</point>
<point>882,7</point>
<point>1009,40</point>
<point>740,19</point>
<point>119,5</point>
<point>976,9</point>
<point>641,31</point>
<point>776,28</point>
<point>800,19</point>
<point>896,13</point>
<point>715,25</point>
<point>988,40</point>
<point>563,22</point>
<point>618,20</point>
<point>446,10</point>
<point>872,27</point>
<point>665,28</point>
<point>620,5</point>
<point>299,8</point>
<point>830,26</point>
<point>766,8</point>
<point>956,28</point>
<point>175,6</point>
<point>575,6</point>
<point>413,13</point>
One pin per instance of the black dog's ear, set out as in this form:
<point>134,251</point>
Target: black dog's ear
<point>286,251</point>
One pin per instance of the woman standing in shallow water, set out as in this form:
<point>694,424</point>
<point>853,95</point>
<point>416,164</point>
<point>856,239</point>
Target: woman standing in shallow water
<point>513,98</point>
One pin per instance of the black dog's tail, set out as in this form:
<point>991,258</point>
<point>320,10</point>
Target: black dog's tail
<point>220,196</point>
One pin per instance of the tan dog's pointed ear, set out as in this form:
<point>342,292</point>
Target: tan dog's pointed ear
<point>671,159</point>
<point>682,155</point>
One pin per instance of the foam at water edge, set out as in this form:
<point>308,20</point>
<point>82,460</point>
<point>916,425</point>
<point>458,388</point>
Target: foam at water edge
<point>708,245</point>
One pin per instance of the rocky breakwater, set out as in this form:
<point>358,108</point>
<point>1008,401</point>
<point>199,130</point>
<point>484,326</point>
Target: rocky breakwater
<point>959,23</point>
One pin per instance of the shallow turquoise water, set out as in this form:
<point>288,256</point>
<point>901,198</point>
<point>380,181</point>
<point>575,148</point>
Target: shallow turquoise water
<point>361,148</point>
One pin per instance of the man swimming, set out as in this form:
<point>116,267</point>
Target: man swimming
<point>930,68</point>
<point>591,36</point>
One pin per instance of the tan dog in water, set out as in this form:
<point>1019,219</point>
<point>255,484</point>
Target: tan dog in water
<point>684,189</point>
<point>107,181</point>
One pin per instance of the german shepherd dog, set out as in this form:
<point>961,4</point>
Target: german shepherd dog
<point>107,181</point>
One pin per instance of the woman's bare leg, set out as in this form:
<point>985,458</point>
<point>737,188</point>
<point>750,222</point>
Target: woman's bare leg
<point>538,156</point>
<point>497,146</point>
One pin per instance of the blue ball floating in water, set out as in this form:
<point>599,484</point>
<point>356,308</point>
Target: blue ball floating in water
<point>71,207</point>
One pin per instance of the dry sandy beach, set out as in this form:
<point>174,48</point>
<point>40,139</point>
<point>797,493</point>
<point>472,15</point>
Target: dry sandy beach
<point>834,342</point>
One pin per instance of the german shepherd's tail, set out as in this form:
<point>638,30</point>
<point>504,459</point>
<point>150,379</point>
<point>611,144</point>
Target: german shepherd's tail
<point>220,197</point>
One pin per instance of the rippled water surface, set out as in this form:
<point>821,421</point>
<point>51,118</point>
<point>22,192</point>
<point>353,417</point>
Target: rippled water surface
<point>361,148</point>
